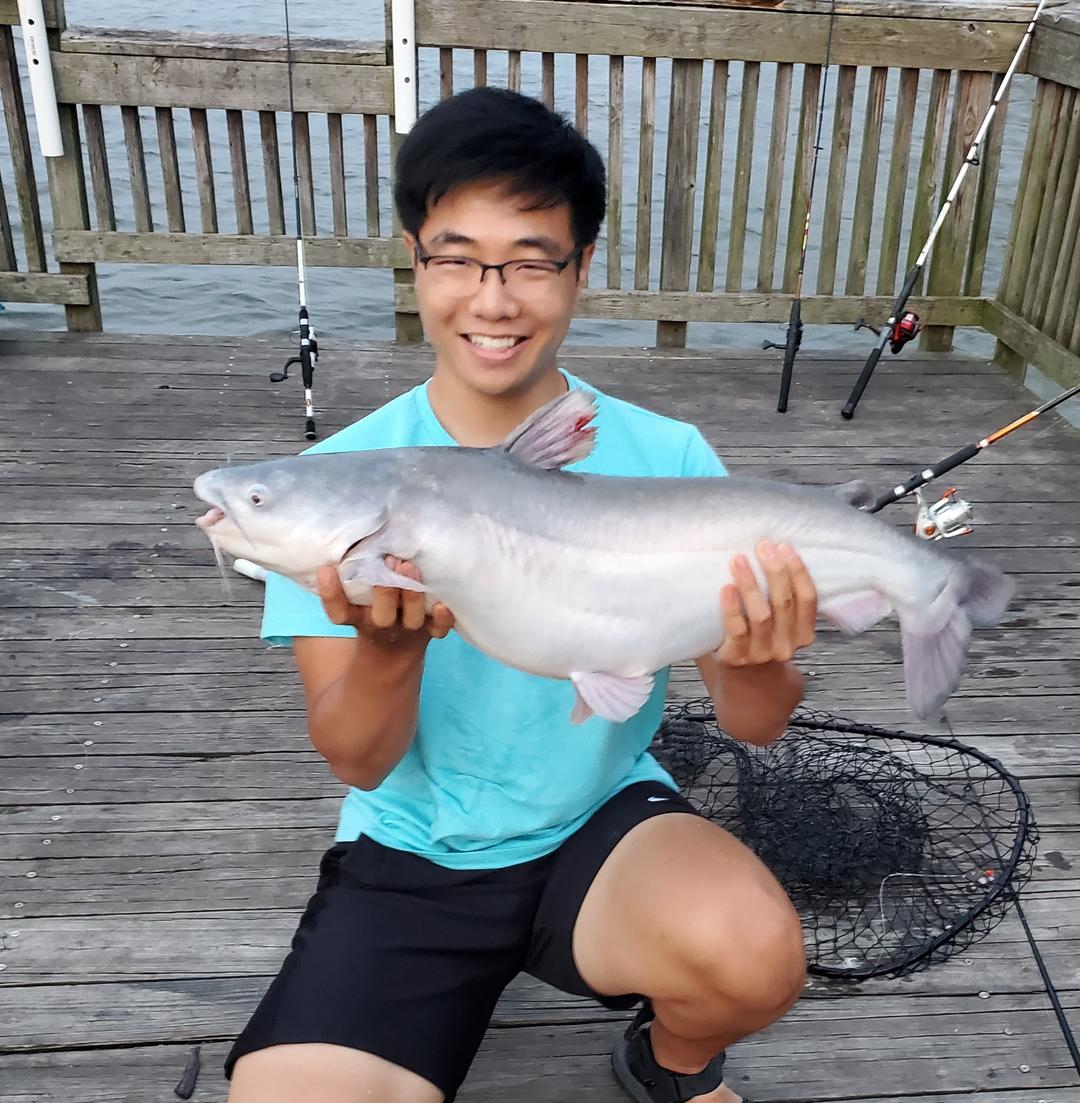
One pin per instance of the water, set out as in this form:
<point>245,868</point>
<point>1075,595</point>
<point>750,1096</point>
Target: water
<point>357,303</point>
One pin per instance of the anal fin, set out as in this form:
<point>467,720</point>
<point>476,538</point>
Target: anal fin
<point>854,613</point>
<point>609,696</point>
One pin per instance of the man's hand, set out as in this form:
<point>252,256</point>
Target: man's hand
<point>753,684</point>
<point>396,619</point>
<point>760,629</point>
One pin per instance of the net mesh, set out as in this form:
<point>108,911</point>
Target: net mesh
<point>897,850</point>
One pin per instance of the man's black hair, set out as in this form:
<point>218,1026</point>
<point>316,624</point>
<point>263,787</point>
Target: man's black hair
<point>489,134</point>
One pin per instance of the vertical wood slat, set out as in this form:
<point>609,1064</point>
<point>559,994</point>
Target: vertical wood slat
<point>337,174</point>
<point>804,156</point>
<point>371,174</point>
<point>1047,193</point>
<point>275,207</point>
<point>581,92</point>
<point>950,249</point>
<point>513,70</point>
<point>770,224</point>
<point>896,189</point>
<point>407,327</point>
<point>480,68</point>
<point>714,166</point>
<point>446,72</point>
<point>1017,251</point>
<point>239,163</point>
<point>7,242</point>
<point>926,186</point>
<point>834,188</point>
<point>98,157</point>
<point>643,243</point>
<point>676,252</point>
<point>1048,244</point>
<point>1065,286</point>
<point>547,79</point>
<point>302,138</point>
<point>140,188</point>
<point>744,157</point>
<point>204,170</point>
<point>1074,342</point>
<point>170,170</point>
<point>985,193</point>
<point>614,171</point>
<point>866,187</point>
<point>71,211</point>
<point>22,163</point>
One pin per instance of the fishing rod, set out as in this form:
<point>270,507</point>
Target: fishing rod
<point>309,347</point>
<point>793,339</point>
<point>951,515</point>
<point>903,325</point>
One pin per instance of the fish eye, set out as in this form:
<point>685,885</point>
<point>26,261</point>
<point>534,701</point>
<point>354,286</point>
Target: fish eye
<point>258,495</point>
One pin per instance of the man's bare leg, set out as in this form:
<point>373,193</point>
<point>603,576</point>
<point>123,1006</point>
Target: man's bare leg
<point>317,1073</point>
<point>684,913</point>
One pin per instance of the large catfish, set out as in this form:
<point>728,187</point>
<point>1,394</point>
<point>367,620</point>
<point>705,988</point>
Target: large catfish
<point>603,580</point>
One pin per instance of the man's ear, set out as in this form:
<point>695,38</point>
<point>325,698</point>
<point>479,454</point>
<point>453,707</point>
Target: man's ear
<point>410,244</point>
<point>583,264</point>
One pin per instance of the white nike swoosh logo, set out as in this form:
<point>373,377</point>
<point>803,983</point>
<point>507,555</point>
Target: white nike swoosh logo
<point>652,799</point>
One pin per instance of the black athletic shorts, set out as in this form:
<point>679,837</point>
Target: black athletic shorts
<point>406,959</point>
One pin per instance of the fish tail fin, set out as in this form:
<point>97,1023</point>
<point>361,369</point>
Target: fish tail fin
<point>936,637</point>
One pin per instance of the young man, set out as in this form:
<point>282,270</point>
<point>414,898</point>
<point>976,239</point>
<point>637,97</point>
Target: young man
<point>483,834</point>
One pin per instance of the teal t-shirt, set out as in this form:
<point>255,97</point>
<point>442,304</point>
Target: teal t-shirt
<point>497,774</point>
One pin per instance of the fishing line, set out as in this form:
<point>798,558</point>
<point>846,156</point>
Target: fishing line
<point>902,327</point>
<point>794,336</point>
<point>309,348</point>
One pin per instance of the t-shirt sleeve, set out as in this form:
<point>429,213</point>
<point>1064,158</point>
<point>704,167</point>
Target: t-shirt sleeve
<point>699,460</point>
<point>289,610</point>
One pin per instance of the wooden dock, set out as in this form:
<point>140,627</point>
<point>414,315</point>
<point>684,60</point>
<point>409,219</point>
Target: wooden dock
<point>162,810</point>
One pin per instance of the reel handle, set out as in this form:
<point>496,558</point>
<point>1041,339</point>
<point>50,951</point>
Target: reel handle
<point>773,345</point>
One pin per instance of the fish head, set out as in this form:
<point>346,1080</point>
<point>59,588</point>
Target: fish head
<point>290,516</point>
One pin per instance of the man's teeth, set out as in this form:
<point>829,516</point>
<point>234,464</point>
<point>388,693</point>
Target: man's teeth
<point>484,342</point>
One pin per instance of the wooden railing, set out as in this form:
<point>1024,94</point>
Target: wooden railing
<point>691,91</point>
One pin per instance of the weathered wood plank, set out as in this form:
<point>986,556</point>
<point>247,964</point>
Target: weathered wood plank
<point>613,240</point>
<point>1064,297</point>
<point>371,174</point>
<point>646,144</point>
<point>680,181</point>
<point>770,223</point>
<point>239,164</point>
<point>834,191</point>
<point>800,186</point>
<point>8,261</point>
<point>581,92</point>
<point>140,188</point>
<point>170,171</point>
<point>302,150</point>
<point>480,68</point>
<point>446,73</point>
<point>985,196</point>
<point>897,187</point>
<point>98,158</point>
<point>513,71</point>
<point>275,206</point>
<point>757,35</point>
<point>547,78</point>
<point>199,82</point>
<point>714,167</point>
<point>925,201</point>
<point>213,248</point>
<point>744,158</point>
<point>1035,347</point>
<point>866,186</point>
<point>337,175</point>
<point>22,162</point>
<point>204,170</point>
<point>44,287</point>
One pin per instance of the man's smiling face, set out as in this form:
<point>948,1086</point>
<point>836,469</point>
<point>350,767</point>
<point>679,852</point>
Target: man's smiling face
<point>496,339</point>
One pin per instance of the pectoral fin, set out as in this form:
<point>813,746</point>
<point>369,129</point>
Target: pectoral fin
<point>373,571</point>
<point>854,613</point>
<point>609,696</point>
<point>557,434</point>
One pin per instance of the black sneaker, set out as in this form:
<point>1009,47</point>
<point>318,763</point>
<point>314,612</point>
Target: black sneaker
<point>647,1082</point>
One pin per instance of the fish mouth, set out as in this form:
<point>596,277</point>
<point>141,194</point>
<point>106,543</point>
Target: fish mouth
<point>210,518</point>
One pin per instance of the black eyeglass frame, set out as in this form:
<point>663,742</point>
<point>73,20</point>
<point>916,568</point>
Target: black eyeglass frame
<point>425,258</point>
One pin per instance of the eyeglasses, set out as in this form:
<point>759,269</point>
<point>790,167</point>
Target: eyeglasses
<point>465,275</point>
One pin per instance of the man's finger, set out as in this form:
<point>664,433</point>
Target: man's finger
<point>754,601</point>
<point>440,621</point>
<point>385,602</point>
<point>805,594</point>
<point>781,601</point>
<point>413,613</point>
<point>332,594</point>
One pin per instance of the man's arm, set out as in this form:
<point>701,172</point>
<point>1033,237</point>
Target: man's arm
<point>363,693</point>
<point>750,678</point>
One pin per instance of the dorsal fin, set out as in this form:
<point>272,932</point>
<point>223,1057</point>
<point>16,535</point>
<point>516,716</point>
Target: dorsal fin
<point>857,492</point>
<point>559,433</point>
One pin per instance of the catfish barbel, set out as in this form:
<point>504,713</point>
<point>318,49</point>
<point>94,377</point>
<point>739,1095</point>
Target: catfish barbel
<point>603,580</point>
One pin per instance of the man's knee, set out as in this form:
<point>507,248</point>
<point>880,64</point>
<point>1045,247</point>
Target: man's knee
<point>758,961</point>
<point>317,1073</point>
